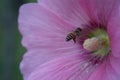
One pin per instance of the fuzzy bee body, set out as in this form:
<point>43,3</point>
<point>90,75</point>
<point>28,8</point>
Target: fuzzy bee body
<point>73,35</point>
<point>70,36</point>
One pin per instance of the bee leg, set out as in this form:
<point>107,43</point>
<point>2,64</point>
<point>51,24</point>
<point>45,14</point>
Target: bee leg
<point>74,39</point>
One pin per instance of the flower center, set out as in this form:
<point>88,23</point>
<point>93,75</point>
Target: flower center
<point>97,42</point>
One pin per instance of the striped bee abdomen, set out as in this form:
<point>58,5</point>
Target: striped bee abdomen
<point>70,36</point>
<point>73,35</point>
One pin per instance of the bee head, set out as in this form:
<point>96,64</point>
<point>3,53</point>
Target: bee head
<point>78,30</point>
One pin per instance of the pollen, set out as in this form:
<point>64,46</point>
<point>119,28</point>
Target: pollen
<point>92,44</point>
<point>97,42</point>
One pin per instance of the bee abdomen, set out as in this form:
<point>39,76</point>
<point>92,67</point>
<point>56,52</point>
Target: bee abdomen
<point>70,36</point>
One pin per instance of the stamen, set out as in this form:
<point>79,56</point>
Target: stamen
<point>92,44</point>
<point>97,42</point>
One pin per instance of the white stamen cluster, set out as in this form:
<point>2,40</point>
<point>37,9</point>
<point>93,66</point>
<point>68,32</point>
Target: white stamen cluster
<point>92,44</point>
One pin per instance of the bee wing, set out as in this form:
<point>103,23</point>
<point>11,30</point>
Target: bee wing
<point>76,39</point>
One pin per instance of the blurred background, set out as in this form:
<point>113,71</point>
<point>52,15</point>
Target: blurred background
<point>11,50</point>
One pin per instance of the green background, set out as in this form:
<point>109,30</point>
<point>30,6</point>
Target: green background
<point>11,50</point>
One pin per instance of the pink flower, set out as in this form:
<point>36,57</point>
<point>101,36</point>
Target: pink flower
<point>96,53</point>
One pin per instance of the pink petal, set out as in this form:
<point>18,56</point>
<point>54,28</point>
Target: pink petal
<point>33,58</point>
<point>115,64</point>
<point>108,70</point>
<point>70,10</point>
<point>114,32</point>
<point>99,10</point>
<point>99,73</point>
<point>64,68</point>
<point>44,36</point>
<point>111,73</point>
<point>80,12</point>
<point>36,21</point>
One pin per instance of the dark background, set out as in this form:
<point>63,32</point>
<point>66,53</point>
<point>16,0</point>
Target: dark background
<point>11,50</point>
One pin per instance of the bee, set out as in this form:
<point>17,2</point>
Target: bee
<point>73,35</point>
